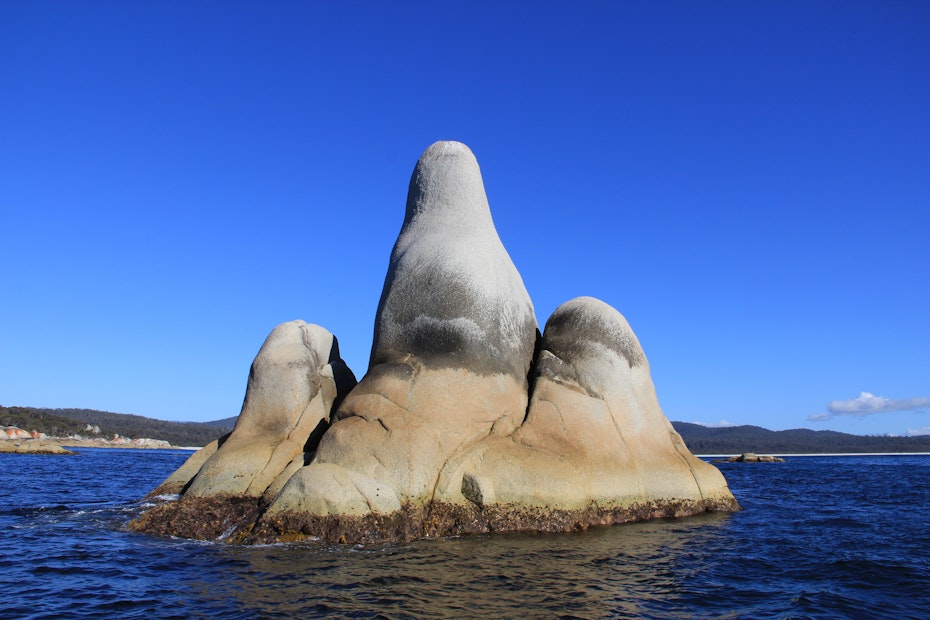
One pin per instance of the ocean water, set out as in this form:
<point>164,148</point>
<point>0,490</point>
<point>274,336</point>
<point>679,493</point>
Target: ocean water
<point>819,537</point>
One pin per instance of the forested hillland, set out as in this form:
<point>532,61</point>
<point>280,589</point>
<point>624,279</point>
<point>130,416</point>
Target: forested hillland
<point>71,422</point>
<point>699,439</point>
<point>740,439</point>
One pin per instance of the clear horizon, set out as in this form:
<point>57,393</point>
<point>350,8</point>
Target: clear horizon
<point>745,182</point>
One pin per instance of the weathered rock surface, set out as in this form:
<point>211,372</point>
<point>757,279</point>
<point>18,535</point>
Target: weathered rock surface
<point>12,432</point>
<point>452,296</point>
<point>594,432</point>
<point>467,421</point>
<point>176,482</point>
<point>294,381</point>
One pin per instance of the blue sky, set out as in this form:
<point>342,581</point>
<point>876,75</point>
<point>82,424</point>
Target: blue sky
<point>747,182</point>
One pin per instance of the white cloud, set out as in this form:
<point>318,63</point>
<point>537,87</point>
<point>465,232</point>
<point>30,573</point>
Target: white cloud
<point>914,432</point>
<point>818,417</point>
<point>867,404</point>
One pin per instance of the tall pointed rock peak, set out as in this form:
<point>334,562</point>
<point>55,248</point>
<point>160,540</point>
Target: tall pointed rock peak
<point>452,295</point>
<point>446,182</point>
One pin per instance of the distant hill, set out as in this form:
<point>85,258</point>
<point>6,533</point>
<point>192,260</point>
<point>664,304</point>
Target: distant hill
<point>739,439</point>
<point>224,423</point>
<point>66,422</point>
<point>699,439</point>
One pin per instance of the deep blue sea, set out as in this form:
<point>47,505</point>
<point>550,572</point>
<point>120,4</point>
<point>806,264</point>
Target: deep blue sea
<point>819,537</point>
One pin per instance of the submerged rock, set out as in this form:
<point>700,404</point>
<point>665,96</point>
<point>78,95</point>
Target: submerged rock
<point>466,420</point>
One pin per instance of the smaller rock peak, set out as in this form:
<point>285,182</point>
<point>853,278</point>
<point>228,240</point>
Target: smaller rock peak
<point>589,320</point>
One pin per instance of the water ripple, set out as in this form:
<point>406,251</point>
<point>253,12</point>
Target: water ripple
<point>819,537</point>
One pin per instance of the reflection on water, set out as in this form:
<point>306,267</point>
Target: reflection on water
<point>614,571</point>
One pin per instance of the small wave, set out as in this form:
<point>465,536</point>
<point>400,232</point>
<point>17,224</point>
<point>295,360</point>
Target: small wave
<point>810,543</point>
<point>170,497</point>
<point>35,511</point>
<point>226,534</point>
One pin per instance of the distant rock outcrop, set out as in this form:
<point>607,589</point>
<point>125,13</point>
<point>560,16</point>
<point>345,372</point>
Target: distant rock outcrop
<point>11,432</point>
<point>32,446</point>
<point>466,420</point>
<point>749,457</point>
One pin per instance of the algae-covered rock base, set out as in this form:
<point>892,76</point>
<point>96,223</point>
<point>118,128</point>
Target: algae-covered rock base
<point>468,419</point>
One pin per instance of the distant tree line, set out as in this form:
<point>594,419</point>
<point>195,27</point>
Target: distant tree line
<point>40,420</point>
<point>740,439</point>
<point>66,422</point>
<point>699,439</point>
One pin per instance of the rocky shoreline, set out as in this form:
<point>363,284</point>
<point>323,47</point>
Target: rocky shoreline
<point>18,441</point>
<point>32,446</point>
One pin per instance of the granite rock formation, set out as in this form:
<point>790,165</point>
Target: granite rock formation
<point>294,381</point>
<point>466,421</point>
<point>594,432</point>
<point>453,343</point>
